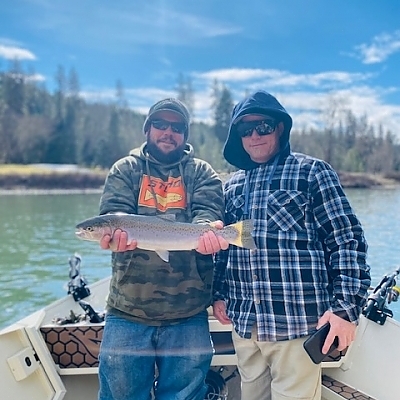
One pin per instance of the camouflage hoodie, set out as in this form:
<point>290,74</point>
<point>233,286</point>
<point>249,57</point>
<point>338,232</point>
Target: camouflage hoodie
<point>143,287</point>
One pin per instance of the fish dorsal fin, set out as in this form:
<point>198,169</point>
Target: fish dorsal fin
<point>167,217</point>
<point>118,213</point>
<point>163,254</point>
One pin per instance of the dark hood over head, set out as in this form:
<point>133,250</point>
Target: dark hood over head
<point>260,102</point>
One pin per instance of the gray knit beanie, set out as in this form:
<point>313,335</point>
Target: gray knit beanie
<point>173,105</point>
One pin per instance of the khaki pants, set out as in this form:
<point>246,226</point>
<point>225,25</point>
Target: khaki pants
<point>276,370</point>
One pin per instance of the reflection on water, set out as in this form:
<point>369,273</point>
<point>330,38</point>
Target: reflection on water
<point>38,238</point>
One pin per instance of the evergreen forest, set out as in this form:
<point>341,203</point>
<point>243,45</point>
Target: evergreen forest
<point>37,126</point>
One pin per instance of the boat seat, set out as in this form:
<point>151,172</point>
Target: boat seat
<point>78,345</point>
<point>74,345</point>
<point>346,392</point>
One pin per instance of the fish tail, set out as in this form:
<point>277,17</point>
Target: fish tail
<point>244,238</point>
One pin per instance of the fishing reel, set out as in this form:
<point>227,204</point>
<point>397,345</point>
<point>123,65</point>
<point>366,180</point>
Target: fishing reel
<point>77,286</point>
<point>393,295</point>
<point>384,293</point>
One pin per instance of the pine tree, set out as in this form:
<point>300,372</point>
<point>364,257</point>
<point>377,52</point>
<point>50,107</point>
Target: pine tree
<point>222,112</point>
<point>185,92</point>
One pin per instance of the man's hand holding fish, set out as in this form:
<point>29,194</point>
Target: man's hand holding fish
<point>118,242</point>
<point>210,243</point>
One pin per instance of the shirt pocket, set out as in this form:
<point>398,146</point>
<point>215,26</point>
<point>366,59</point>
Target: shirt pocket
<point>286,211</point>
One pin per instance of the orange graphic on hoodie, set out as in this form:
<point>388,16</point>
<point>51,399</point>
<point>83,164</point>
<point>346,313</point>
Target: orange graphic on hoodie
<point>170,194</point>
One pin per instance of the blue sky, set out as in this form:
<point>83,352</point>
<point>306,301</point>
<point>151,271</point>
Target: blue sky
<point>313,55</point>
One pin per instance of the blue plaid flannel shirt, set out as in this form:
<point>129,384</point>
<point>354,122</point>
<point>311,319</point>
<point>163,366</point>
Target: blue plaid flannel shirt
<point>311,251</point>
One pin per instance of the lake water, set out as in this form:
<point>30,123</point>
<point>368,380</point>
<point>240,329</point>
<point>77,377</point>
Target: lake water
<point>38,238</point>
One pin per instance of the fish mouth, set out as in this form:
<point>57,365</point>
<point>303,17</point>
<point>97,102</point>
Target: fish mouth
<point>79,233</point>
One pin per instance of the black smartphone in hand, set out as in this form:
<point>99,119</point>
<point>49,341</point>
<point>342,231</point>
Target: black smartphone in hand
<point>313,345</point>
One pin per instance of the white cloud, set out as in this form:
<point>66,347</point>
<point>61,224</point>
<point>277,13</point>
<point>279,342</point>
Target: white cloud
<point>154,26</point>
<point>139,99</point>
<point>15,53</point>
<point>255,78</point>
<point>143,98</point>
<point>369,102</point>
<point>35,78</point>
<point>309,109</point>
<point>201,26</point>
<point>235,74</point>
<point>28,77</point>
<point>127,24</point>
<point>309,98</point>
<point>99,95</point>
<point>380,49</point>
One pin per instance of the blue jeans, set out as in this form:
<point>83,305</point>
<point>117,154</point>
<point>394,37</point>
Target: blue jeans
<point>131,353</point>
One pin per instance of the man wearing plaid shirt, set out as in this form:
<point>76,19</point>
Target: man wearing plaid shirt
<point>310,264</point>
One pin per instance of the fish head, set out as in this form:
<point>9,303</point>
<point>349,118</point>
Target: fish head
<point>93,229</point>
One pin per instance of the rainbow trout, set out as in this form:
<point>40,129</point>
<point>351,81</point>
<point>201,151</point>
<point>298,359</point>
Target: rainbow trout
<point>162,233</point>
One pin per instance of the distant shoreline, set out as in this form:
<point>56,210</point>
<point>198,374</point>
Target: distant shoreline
<point>50,179</point>
<point>32,191</point>
<point>91,182</point>
<point>358,180</point>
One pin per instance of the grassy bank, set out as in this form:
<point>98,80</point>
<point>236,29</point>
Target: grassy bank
<point>14,177</point>
<point>361,180</point>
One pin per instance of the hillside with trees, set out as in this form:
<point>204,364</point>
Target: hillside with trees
<point>37,126</point>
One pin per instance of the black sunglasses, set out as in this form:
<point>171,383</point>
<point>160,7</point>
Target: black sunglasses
<point>163,125</point>
<point>264,127</point>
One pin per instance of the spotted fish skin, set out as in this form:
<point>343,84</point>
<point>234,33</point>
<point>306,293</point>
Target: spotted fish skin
<point>161,233</point>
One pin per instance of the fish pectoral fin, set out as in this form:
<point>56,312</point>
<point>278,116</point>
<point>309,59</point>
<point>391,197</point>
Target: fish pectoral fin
<point>163,254</point>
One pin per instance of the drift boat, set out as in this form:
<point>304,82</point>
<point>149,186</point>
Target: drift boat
<point>53,353</point>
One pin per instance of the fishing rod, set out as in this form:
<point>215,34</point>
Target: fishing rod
<point>77,286</point>
<point>384,293</point>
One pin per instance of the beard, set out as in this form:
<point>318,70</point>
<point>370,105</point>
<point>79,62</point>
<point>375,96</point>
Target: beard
<point>165,158</point>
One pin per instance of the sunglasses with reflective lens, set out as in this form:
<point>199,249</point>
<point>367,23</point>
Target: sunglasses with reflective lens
<point>264,127</point>
<point>163,125</point>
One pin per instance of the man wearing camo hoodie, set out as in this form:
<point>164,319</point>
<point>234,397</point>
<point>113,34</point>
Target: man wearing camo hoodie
<point>156,321</point>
